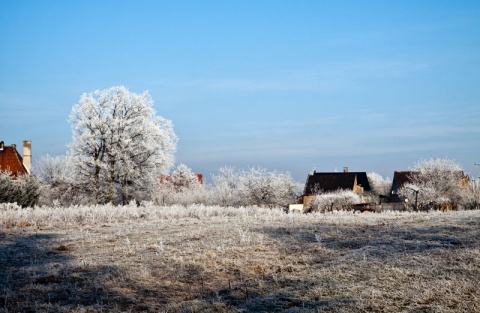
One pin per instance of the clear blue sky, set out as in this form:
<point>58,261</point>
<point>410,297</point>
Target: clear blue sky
<point>287,85</point>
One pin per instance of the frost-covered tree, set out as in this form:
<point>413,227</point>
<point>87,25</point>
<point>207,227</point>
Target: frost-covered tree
<point>119,146</point>
<point>53,169</point>
<point>436,181</point>
<point>379,185</point>
<point>58,184</point>
<point>226,187</point>
<point>263,188</point>
<point>255,186</point>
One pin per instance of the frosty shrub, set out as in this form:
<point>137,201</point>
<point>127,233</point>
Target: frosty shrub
<point>119,146</point>
<point>23,190</point>
<point>437,181</point>
<point>183,179</point>
<point>255,186</point>
<point>181,187</point>
<point>58,184</point>
<point>335,201</point>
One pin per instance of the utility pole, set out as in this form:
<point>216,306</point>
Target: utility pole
<point>416,200</point>
<point>476,188</point>
<point>416,190</point>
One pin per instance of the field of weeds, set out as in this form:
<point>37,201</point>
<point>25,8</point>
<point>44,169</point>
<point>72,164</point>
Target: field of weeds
<point>214,259</point>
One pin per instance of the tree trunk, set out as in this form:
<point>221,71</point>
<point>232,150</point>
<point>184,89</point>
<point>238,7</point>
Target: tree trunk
<point>124,191</point>
<point>112,182</point>
<point>96,182</point>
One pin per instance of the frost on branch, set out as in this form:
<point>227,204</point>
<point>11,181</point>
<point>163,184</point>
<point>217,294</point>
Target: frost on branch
<point>119,145</point>
<point>58,183</point>
<point>226,187</point>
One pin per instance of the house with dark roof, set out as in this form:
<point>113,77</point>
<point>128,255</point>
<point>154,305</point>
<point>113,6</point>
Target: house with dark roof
<point>12,162</point>
<point>400,179</point>
<point>333,181</point>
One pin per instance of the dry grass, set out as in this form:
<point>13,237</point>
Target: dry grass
<point>213,259</point>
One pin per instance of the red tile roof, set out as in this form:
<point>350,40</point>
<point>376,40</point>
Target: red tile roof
<point>12,161</point>
<point>168,178</point>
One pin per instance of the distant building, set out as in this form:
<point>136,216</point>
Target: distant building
<point>11,161</point>
<point>400,179</point>
<point>165,179</point>
<point>333,181</point>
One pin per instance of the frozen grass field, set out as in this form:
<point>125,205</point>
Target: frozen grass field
<point>214,259</point>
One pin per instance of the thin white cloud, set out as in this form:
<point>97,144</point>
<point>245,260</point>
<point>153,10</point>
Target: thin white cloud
<point>277,139</point>
<point>318,78</point>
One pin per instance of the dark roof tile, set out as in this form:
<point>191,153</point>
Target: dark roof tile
<point>331,181</point>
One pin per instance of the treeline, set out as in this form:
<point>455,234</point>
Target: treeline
<point>122,151</point>
<point>229,187</point>
<point>434,184</point>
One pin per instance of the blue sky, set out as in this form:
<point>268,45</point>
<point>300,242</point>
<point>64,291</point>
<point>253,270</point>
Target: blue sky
<point>287,85</point>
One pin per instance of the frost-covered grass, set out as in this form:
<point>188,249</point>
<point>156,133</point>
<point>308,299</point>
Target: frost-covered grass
<point>210,258</point>
<point>53,217</point>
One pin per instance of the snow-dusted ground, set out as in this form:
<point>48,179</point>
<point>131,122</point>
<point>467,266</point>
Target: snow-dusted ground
<point>211,258</point>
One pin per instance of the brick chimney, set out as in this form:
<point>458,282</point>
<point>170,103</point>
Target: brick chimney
<point>27,155</point>
<point>345,169</point>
